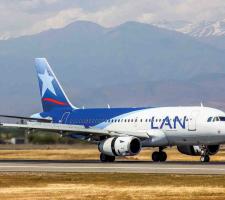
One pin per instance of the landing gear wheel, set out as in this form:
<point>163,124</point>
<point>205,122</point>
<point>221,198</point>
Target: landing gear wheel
<point>111,158</point>
<point>103,157</point>
<point>163,156</point>
<point>205,158</point>
<point>106,158</point>
<point>159,156</point>
<point>155,156</point>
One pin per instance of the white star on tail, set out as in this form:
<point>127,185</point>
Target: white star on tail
<point>46,83</point>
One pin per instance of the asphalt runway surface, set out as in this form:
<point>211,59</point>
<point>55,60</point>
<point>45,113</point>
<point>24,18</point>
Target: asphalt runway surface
<point>92,166</point>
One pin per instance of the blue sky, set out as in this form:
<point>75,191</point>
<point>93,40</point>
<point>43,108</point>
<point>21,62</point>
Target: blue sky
<point>22,17</point>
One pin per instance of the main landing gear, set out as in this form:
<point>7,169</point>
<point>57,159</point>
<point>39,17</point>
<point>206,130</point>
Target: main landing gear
<point>159,156</point>
<point>106,158</point>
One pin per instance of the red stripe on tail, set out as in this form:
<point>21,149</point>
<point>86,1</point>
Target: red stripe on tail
<point>55,101</point>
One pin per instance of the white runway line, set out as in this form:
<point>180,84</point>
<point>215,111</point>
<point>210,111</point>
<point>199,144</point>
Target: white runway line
<point>114,168</point>
<point>146,168</point>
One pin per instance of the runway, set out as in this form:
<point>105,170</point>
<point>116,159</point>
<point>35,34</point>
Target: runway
<point>116,167</point>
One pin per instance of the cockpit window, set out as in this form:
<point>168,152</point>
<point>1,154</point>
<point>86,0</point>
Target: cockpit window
<point>209,119</point>
<point>216,119</point>
<point>222,119</point>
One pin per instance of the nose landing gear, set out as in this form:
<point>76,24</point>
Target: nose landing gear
<point>204,155</point>
<point>205,158</point>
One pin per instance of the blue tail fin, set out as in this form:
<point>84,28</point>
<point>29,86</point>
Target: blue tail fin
<point>53,96</point>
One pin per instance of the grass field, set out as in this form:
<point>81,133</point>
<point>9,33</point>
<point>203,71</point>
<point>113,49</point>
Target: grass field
<point>87,152</point>
<point>57,186</point>
<point>82,186</point>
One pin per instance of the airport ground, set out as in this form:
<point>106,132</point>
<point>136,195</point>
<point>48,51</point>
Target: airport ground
<point>60,186</point>
<point>86,152</point>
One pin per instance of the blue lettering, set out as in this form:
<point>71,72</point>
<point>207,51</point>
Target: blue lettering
<point>179,122</point>
<point>166,122</point>
<point>152,124</point>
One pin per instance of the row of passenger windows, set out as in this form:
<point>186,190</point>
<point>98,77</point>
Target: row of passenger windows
<point>119,120</point>
<point>136,120</point>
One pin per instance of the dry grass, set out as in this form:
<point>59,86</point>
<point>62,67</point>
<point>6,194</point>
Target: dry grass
<point>82,186</point>
<point>57,186</point>
<point>89,152</point>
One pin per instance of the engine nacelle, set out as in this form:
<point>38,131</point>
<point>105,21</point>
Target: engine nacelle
<point>120,146</point>
<point>196,150</point>
<point>213,149</point>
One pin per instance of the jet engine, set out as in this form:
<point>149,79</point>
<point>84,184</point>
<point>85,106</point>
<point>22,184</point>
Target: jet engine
<point>120,146</point>
<point>196,150</point>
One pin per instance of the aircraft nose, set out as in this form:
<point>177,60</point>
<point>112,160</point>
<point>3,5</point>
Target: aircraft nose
<point>221,129</point>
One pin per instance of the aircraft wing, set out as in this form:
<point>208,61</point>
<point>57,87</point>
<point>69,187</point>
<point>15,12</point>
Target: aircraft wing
<point>74,129</point>
<point>26,118</point>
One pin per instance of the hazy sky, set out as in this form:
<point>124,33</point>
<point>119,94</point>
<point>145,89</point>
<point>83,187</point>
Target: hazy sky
<point>19,17</point>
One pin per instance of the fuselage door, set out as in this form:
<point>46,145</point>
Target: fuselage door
<point>65,117</point>
<point>192,121</point>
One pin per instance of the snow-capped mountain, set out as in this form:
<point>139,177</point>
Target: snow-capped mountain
<point>199,30</point>
<point>172,25</point>
<point>205,29</point>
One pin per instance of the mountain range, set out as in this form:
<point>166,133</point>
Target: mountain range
<point>133,64</point>
<point>197,29</point>
<point>210,32</point>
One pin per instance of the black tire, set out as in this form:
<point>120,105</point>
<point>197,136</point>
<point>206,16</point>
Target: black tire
<point>155,156</point>
<point>103,157</point>
<point>163,156</point>
<point>205,158</point>
<point>106,158</point>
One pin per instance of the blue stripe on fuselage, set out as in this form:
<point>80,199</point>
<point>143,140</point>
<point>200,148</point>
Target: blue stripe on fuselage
<point>90,117</point>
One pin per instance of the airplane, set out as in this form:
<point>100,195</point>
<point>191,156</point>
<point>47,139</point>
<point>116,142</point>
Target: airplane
<point>194,130</point>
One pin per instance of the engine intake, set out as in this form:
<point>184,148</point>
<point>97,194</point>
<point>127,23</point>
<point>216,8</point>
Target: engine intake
<point>120,146</point>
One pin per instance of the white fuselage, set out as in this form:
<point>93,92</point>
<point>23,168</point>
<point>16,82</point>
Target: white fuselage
<point>171,126</point>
